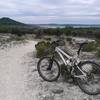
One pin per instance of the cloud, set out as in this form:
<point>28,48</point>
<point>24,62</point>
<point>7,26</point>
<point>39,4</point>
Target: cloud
<point>52,11</point>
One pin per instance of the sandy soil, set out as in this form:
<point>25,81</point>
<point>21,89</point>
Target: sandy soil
<point>13,73</point>
<point>19,79</point>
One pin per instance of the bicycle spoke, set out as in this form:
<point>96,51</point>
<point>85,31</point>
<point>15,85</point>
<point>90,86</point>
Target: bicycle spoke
<point>46,72</point>
<point>91,82</point>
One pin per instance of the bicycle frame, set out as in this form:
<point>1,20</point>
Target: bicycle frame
<point>62,54</point>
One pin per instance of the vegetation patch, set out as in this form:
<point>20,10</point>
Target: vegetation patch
<point>98,53</point>
<point>89,47</point>
<point>12,40</point>
<point>42,48</point>
<point>97,42</point>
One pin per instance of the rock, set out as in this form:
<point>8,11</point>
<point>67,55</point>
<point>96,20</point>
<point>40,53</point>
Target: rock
<point>34,70</point>
<point>87,98</point>
<point>46,96</point>
<point>57,89</point>
<point>70,80</point>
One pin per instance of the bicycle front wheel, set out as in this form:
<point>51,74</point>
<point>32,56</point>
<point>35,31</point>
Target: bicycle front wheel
<point>90,83</point>
<point>48,69</point>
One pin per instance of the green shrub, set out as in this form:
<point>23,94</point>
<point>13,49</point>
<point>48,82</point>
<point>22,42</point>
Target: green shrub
<point>89,47</point>
<point>11,38</point>
<point>41,48</point>
<point>18,38</point>
<point>97,42</point>
<point>98,53</point>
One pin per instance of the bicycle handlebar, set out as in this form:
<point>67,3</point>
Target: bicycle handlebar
<point>57,43</point>
<point>53,45</point>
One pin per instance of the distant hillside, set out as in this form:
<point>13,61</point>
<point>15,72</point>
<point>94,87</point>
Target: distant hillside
<point>8,25</point>
<point>7,21</point>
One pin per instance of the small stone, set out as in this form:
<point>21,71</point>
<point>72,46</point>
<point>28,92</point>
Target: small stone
<point>87,98</point>
<point>46,96</point>
<point>34,70</point>
<point>70,80</point>
<point>57,90</point>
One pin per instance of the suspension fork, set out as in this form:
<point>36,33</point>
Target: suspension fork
<point>50,63</point>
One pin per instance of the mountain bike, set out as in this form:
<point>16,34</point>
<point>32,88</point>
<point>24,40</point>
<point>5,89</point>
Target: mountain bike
<point>86,73</point>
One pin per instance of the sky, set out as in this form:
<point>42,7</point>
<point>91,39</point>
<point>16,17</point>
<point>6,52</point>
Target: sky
<point>52,11</point>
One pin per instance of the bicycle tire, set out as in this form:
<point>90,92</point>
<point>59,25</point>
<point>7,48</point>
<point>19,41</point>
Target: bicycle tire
<point>79,81</point>
<point>44,77</point>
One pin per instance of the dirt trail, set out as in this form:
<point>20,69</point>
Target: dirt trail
<point>13,78</point>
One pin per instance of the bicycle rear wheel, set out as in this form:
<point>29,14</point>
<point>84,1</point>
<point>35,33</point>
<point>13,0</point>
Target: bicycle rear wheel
<point>48,69</point>
<point>90,84</point>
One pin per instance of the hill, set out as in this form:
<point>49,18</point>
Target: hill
<point>7,21</point>
<point>8,25</point>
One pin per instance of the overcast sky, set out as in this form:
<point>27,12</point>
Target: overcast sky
<point>52,11</point>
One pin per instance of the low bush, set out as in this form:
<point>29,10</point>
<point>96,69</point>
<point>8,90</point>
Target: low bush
<point>89,47</point>
<point>11,38</point>
<point>97,42</point>
<point>98,53</point>
<point>41,48</point>
<point>18,38</point>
